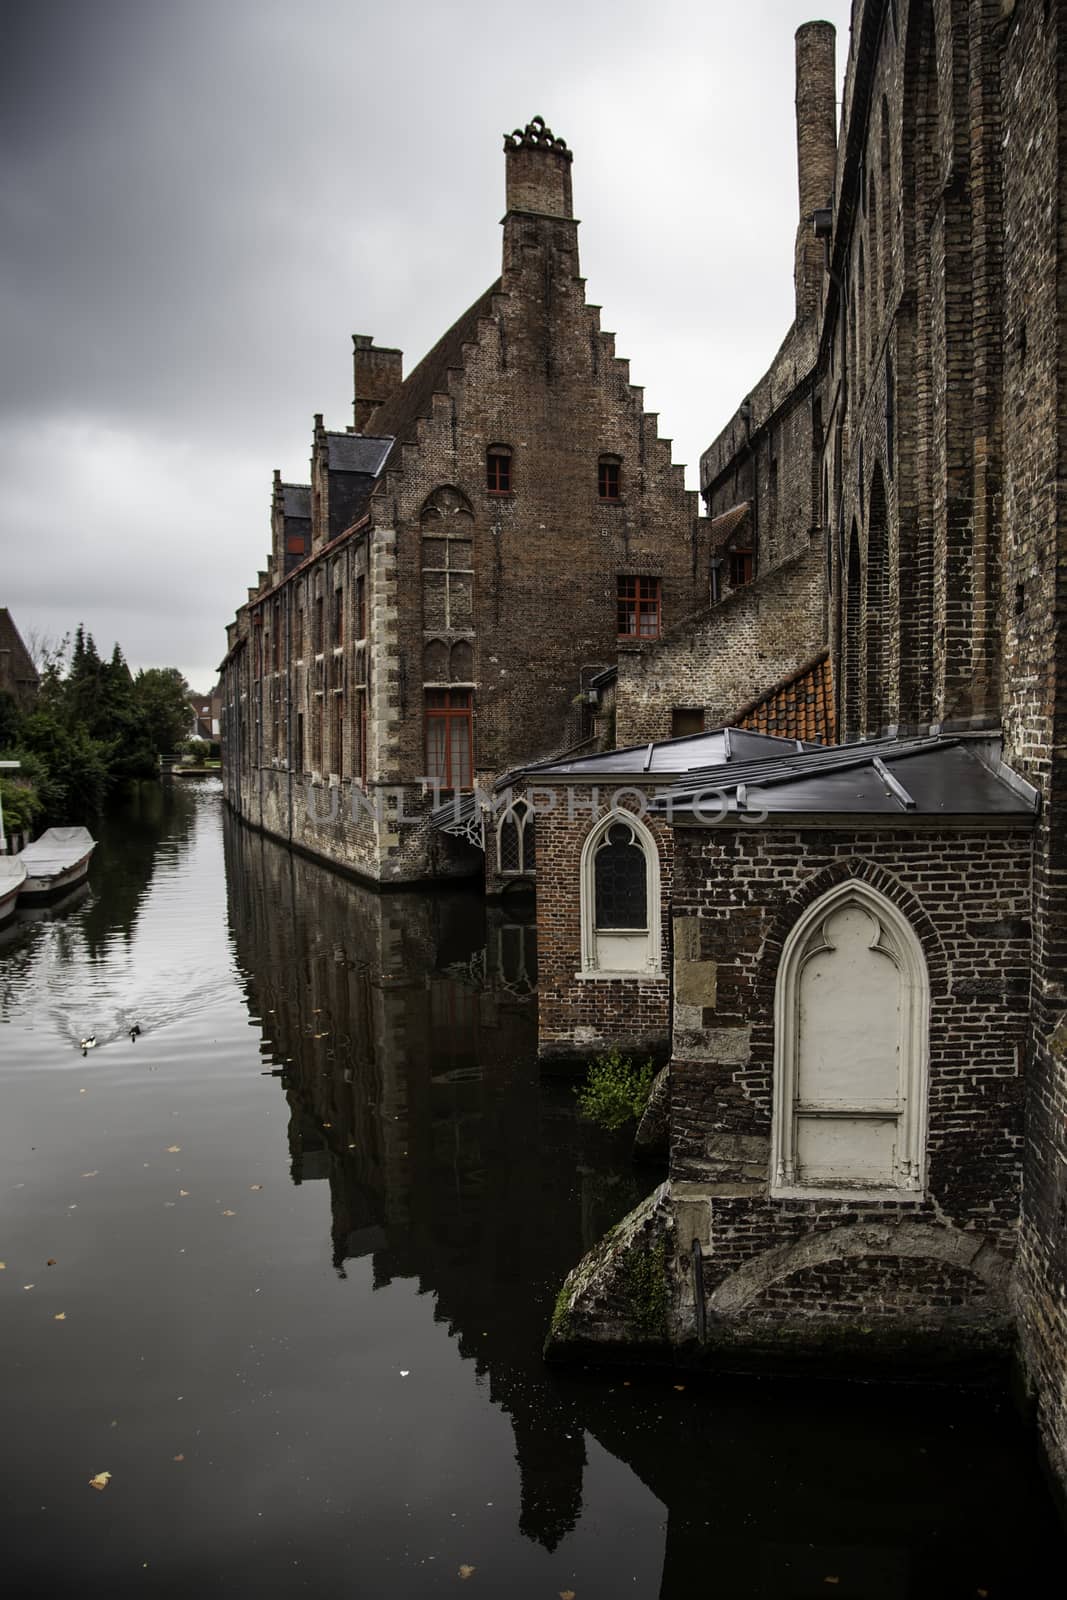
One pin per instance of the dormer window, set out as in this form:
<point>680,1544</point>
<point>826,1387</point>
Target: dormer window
<point>609,477</point>
<point>498,469</point>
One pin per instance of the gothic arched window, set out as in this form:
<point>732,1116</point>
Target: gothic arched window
<point>517,840</point>
<point>620,899</point>
<point>851,1049</point>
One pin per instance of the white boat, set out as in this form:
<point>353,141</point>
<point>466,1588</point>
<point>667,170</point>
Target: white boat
<point>55,862</point>
<point>12,877</point>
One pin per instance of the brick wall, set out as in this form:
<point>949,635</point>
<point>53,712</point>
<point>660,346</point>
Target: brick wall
<point>579,1017</point>
<point>726,655</point>
<point>967,897</point>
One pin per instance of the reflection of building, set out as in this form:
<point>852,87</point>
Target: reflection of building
<point>404,1029</point>
<point>503,522</point>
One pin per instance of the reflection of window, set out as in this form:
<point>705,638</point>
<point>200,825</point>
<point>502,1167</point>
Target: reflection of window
<point>851,1048</point>
<point>449,737</point>
<point>620,899</point>
<point>518,839</point>
<point>638,608</point>
<point>498,469</point>
<point>609,477</point>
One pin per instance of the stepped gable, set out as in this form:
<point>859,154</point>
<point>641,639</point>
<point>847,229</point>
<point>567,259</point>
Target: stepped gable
<point>400,414</point>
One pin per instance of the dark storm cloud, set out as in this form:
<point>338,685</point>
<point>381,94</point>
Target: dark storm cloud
<point>200,202</point>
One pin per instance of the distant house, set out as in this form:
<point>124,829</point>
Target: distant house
<point>18,676</point>
<point>205,711</point>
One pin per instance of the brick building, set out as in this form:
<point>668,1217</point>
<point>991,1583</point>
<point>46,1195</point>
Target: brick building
<point>463,562</point>
<point>18,675</point>
<point>849,1196</point>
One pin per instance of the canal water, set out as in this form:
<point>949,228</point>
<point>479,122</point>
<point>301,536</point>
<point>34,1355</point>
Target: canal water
<point>276,1273</point>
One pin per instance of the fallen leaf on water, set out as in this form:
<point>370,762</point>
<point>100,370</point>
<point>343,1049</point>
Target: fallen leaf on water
<point>51,1261</point>
<point>465,1571</point>
<point>177,1458</point>
<point>81,1091</point>
<point>28,1286</point>
<point>172,1149</point>
<point>90,1174</point>
<point>255,1186</point>
<point>183,1194</point>
<point>60,1316</point>
<point>3,1266</point>
<point>101,1480</point>
<point>405,1372</point>
<point>566,1594</point>
<point>679,1387</point>
<point>229,1213</point>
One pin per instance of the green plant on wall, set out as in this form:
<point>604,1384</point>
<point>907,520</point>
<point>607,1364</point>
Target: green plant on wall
<point>615,1091</point>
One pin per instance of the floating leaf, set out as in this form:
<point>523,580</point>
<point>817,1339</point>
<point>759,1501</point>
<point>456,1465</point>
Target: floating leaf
<point>465,1571</point>
<point>183,1194</point>
<point>101,1480</point>
<point>566,1594</point>
<point>255,1187</point>
<point>229,1213</point>
<point>172,1149</point>
<point>51,1261</point>
<point>28,1286</point>
<point>178,1457</point>
<point>405,1372</point>
<point>3,1266</point>
<point>60,1316</point>
<point>680,1387</point>
<point>90,1174</point>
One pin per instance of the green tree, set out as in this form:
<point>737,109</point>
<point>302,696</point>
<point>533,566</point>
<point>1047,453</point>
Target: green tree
<point>162,694</point>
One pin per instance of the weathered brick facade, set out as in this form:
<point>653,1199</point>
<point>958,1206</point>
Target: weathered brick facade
<point>521,606</point>
<point>916,418</point>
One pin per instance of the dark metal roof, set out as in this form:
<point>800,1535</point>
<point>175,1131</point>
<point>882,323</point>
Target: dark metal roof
<point>357,452</point>
<point>668,758</point>
<point>900,778</point>
<point>296,499</point>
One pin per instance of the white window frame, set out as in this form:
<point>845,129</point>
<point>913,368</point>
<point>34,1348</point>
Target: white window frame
<point>649,952</point>
<point>898,941</point>
<point>520,818</point>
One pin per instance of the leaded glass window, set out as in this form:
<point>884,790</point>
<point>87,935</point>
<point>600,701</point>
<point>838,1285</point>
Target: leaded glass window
<point>620,880</point>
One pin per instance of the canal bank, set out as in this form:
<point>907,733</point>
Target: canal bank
<point>307,1233</point>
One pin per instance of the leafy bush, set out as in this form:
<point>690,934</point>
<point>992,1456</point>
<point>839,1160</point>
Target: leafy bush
<point>199,749</point>
<point>615,1090</point>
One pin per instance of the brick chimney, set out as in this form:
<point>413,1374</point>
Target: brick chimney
<point>816,154</point>
<point>537,170</point>
<point>377,374</point>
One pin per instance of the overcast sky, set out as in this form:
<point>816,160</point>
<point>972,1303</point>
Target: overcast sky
<point>201,200</point>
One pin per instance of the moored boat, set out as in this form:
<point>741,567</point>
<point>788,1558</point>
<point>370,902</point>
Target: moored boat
<point>12,877</point>
<point>55,863</point>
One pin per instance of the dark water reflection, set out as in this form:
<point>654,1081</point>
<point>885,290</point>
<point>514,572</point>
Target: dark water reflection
<point>307,1233</point>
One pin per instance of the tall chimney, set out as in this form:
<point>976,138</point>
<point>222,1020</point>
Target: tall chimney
<point>537,171</point>
<point>377,373</point>
<point>816,154</point>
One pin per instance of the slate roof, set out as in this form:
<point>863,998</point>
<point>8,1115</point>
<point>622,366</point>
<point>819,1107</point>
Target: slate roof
<point>666,758</point>
<point>901,779</point>
<point>799,706</point>
<point>399,414</point>
<point>357,452</point>
<point>296,499</point>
